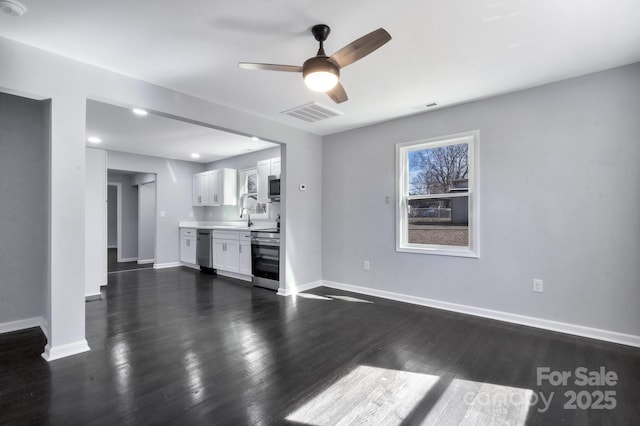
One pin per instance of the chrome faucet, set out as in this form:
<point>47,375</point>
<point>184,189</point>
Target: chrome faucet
<point>249,223</point>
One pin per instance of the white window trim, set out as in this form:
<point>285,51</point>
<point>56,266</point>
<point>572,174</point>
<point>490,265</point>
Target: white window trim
<point>402,245</point>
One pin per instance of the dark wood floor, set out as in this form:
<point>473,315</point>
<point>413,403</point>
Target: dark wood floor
<point>179,347</point>
<point>114,266</point>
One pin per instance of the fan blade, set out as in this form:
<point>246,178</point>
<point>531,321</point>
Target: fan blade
<point>269,67</point>
<point>338,94</point>
<point>360,48</point>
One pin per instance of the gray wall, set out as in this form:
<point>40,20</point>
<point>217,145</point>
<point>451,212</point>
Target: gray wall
<point>112,216</point>
<point>23,209</point>
<point>173,196</point>
<point>239,162</point>
<point>128,214</point>
<point>146,221</point>
<point>559,200</point>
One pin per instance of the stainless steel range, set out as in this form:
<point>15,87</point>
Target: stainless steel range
<point>265,258</point>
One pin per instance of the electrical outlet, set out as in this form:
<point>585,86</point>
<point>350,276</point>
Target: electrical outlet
<point>191,213</point>
<point>538,286</point>
<point>366,265</point>
<point>162,213</point>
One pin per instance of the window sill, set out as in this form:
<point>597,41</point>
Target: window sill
<point>440,251</point>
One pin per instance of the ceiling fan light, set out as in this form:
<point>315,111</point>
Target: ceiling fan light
<point>321,81</point>
<point>320,74</point>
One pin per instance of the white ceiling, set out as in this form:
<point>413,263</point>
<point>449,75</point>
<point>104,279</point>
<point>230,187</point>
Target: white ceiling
<point>121,130</point>
<point>447,52</point>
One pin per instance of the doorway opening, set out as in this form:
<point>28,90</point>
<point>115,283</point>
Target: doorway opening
<point>131,222</point>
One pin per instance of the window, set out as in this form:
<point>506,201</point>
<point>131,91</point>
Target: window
<point>437,203</point>
<point>249,195</point>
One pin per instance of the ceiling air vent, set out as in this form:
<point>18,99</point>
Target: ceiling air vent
<point>311,112</point>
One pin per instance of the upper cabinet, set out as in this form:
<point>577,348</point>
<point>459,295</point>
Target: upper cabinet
<point>223,187</point>
<point>216,188</point>
<point>201,189</point>
<point>266,168</point>
<point>275,166</point>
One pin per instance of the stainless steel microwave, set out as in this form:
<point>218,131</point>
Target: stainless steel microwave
<point>274,187</point>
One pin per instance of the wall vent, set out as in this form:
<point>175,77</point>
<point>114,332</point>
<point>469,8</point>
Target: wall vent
<point>311,112</point>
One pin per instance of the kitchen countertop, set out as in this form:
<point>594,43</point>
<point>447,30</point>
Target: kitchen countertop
<point>231,226</point>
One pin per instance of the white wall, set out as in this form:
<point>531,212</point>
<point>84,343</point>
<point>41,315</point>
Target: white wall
<point>146,222</point>
<point>559,196</point>
<point>96,215</point>
<point>23,210</point>
<point>69,84</point>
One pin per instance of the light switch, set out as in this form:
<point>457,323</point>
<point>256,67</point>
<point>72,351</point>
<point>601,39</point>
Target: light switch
<point>162,213</point>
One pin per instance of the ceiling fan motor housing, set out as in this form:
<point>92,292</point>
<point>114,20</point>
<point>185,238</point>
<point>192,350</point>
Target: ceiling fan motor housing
<point>319,64</point>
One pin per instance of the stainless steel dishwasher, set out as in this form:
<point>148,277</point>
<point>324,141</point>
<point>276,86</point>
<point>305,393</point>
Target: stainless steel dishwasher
<point>203,248</point>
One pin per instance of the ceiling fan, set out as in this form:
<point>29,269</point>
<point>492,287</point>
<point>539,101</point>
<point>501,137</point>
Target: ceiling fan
<point>321,73</point>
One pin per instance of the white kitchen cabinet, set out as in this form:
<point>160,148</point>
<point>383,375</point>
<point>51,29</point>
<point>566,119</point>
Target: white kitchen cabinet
<point>201,189</point>
<point>226,250</point>
<point>266,168</point>
<point>223,187</point>
<point>275,166</point>
<point>216,188</point>
<point>245,253</point>
<point>188,245</point>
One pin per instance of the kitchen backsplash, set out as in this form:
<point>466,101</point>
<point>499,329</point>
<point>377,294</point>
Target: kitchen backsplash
<point>226,213</point>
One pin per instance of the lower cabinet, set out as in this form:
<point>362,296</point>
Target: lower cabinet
<point>188,245</point>
<point>232,251</point>
<point>245,255</point>
<point>226,255</point>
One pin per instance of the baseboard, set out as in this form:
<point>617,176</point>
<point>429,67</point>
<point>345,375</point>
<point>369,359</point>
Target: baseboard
<point>62,351</point>
<point>576,330</point>
<point>235,275</point>
<point>166,265</point>
<point>128,259</point>
<point>92,297</point>
<point>300,288</point>
<point>8,327</point>
<point>190,265</point>
<point>145,261</point>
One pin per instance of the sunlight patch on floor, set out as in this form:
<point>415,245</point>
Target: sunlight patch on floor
<point>465,402</point>
<point>331,297</point>
<point>348,298</point>
<point>367,395</point>
<point>312,296</point>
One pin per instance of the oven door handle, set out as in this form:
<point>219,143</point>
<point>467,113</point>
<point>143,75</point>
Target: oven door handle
<point>272,242</point>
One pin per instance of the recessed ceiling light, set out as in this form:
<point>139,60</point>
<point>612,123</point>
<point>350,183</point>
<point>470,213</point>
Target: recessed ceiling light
<point>255,138</point>
<point>195,155</point>
<point>138,111</point>
<point>94,139</point>
<point>13,7</point>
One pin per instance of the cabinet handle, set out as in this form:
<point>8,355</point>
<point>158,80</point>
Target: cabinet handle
<point>240,249</point>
